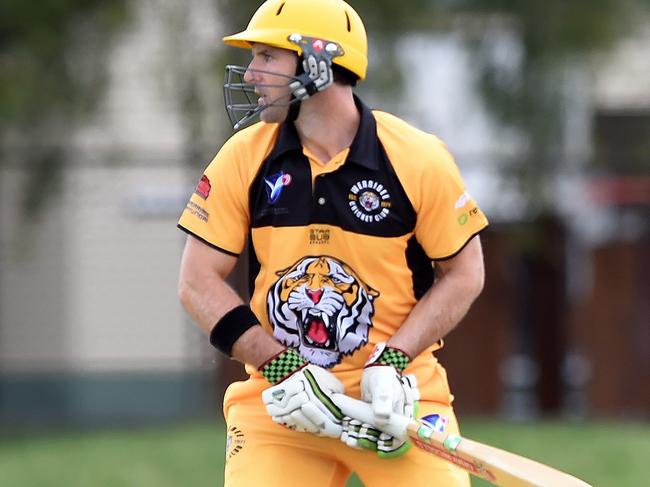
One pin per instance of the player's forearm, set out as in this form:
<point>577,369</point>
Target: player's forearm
<point>444,305</point>
<point>435,315</point>
<point>208,300</point>
<point>255,347</point>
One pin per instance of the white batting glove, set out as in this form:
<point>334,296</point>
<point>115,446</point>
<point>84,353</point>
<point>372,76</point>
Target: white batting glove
<point>382,385</point>
<point>300,398</point>
<point>357,434</point>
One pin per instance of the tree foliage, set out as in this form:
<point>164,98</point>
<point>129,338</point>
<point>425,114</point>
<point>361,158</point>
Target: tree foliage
<point>39,72</point>
<point>52,71</point>
<point>555,37</point>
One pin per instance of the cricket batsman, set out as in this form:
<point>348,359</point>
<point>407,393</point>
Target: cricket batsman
<point>363,251</point>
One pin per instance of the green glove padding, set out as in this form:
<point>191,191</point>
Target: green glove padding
<point>363,435</point>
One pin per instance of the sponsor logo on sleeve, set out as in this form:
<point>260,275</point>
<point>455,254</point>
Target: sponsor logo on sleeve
<point>197,211</point>
<point>203,188</point>
<point>462,200</point>
<point>464,218</point>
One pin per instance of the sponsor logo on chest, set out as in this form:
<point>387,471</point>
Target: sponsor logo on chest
<point>319,236</point>
<point>275,184</point>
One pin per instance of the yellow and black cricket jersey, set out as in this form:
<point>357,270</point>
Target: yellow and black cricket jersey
<point>340,252</point>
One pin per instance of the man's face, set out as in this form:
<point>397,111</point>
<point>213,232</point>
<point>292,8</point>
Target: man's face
<point>273,88</point>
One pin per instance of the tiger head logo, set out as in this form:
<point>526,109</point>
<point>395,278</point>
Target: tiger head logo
<point>321,307</point>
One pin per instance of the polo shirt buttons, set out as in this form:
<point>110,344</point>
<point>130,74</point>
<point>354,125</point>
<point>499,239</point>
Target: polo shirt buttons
<point>321,201</point>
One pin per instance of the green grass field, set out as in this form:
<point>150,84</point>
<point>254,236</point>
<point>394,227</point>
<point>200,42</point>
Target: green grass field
<point>605,454</point>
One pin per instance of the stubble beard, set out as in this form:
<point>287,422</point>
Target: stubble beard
<point>274,114</point>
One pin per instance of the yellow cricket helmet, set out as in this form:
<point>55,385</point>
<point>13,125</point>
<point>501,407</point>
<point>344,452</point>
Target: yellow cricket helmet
<point>332,20</point>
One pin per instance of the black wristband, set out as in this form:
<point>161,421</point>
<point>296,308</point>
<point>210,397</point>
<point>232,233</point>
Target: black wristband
<point>231,326</point>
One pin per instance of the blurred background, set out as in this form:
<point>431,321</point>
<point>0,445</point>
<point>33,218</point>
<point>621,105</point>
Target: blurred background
<point>111,109</point>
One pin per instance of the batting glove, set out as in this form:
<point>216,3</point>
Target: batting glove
<point>382,385</point>
<point>300,398</point>
<point>363,435</point>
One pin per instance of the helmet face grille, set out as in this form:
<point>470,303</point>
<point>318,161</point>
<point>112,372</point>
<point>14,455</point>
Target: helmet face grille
<point>240,97</point>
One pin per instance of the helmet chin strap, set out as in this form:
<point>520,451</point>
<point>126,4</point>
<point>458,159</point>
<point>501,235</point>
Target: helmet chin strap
<point>294,103</point>
<point>313,71</point>
<point>294,111</point>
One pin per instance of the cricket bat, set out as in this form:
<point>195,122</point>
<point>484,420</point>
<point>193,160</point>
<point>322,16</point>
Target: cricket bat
<point>497,466</point>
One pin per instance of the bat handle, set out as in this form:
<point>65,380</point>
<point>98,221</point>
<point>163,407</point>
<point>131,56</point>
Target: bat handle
<point>362,411</point>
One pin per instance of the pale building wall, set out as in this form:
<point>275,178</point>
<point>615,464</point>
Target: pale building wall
<point>33,280</point>
<point>123,312</point>
<point>91,284</point>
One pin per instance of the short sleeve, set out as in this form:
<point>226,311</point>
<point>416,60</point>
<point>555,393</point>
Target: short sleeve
<point>448,216</point>
<point>217,211</point>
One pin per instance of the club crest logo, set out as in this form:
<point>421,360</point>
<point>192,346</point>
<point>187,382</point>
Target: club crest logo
<point>322,308</point>
<point>275,184</point>
<point>369,201</point>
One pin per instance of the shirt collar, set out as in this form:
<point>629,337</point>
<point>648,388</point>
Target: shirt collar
<point>364,150</point>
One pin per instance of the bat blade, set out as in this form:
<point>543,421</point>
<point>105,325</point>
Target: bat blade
<point>500,467</point>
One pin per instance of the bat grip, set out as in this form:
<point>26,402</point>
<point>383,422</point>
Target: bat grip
<point>362,411</point>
